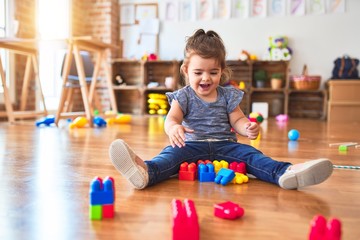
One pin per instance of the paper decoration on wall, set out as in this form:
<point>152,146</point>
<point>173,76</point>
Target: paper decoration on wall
<point>277,8</point>
<point>145,12</point>
<point>188,10</point>
<point>296,7</point>
<point>258,8</point>
<point>171,11</point>
<point>127,14</point>
<point>240,8</point>
<point>316,7</point>
<point>205,9</point>
<point>336,6</point>
<point>223,8</point>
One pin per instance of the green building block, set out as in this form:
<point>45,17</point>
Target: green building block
<point>95,212</point>
<point>342,148</point>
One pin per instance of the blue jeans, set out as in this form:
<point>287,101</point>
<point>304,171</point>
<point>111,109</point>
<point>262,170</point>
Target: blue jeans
<point>168,162</point>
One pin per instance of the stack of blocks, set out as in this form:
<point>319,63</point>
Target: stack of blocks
<point>217,171</point>
<point>102,198</point>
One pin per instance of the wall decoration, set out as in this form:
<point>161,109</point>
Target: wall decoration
<point>171,10</point>
<point>223,8</point>
<point>258,8</point>
<point>205,9</point>
<point>188,10</point>
<point>316,7</point>
<point>336,6</point>
<point>277,8</point>
<point>296,7</point>
<point>240,8</point>
<point>127,14</point>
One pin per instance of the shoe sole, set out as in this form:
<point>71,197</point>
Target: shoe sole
<point>318,172</point>
<point>125,164</point>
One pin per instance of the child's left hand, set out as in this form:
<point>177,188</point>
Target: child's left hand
<point>252,130</point>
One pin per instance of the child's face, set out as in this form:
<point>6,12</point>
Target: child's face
<point>204,76</point>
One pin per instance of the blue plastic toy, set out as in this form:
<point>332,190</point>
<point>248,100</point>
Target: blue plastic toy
<point>224,176</point>
<point>206,173</point>
<point>293,135</point>
<point>47,121</point>
<point>99,122</point>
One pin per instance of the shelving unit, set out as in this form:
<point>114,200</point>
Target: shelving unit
<point>132,98</point>
<point>344,100</point>
<point>142,78</point>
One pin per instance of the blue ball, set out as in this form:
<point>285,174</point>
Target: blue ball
<point>293,135</point>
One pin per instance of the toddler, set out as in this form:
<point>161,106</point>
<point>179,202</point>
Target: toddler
<point>199,125</point>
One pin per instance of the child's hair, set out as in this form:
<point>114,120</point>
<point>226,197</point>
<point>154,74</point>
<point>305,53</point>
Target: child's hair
<point>207,45</point>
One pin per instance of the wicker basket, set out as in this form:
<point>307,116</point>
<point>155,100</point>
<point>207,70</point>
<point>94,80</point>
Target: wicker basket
<point>305,81</point>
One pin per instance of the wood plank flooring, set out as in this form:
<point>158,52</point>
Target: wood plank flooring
<point>46,172</point>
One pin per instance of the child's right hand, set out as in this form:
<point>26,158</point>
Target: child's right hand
<point>177,135</point>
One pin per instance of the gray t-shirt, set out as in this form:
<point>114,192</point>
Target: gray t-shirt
<point>209,120</point>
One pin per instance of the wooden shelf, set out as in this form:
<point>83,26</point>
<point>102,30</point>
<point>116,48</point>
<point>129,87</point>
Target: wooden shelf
<point>132,97</point>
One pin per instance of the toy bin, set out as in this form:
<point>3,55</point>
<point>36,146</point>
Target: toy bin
<point>305,81</point>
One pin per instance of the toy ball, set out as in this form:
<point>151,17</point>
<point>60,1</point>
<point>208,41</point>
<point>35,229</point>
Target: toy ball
<point>293,135</point>
<point>256,117</point>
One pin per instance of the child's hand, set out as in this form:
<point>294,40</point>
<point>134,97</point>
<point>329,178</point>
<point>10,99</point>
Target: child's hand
<point>177,135</point>
<point>252,130</point>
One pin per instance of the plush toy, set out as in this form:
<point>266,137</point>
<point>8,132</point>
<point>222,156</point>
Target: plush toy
<point>279,49</point>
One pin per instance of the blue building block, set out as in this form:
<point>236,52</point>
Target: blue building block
<point>224,176</point>
<point>206,173</point>
<point>50,119</point>
<point>101,193</point>
<point>99,122</point>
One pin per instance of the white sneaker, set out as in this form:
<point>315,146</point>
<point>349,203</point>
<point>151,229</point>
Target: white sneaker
<point>306,174</point>
<point>124,160</point>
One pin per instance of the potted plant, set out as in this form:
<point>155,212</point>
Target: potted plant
<point>260,78</point>
<point>277,80</point>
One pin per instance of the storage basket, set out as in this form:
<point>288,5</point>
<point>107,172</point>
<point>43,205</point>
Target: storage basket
<point>305,81</point>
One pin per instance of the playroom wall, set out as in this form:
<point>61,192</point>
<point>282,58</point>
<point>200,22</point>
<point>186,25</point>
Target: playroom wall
<point>316,40</point>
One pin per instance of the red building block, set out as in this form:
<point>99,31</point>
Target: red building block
<point>187,171</point>
<point>320,230</point>
<point>238,167</point>
<point>185,223</point>
<point>228,210</point>
<point>108,211</point>
<point>204,162</point>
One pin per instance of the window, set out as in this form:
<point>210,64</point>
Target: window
<point>53,23</point>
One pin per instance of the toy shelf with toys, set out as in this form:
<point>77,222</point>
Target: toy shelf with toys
<point>140,85</point>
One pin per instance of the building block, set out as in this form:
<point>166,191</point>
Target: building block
<point>228,210</point>
<point>187,171</point>
<point>108,211</point>
<point>101,195</point>
<point>240,178</point>
<point>95,212</point>
<point>204,162</point>
<point>321,230</point>
<point>185,223</point>
<point>99,122</point>
<point>238,167</point>
<point>224,176</point>
<point>102,198</point>
<point>47,121</point>
<point>219,165</point>
<point>206,172</point>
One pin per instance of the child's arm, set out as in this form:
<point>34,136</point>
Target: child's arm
<point>173,127</point>
<point>242,124</point>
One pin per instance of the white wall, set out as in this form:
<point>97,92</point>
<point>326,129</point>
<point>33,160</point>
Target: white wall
<point>315,40</point>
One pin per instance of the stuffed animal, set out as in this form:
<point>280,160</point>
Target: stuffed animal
<point>279,50</point>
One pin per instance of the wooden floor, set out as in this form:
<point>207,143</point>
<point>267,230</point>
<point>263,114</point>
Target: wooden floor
<point>45,176</point>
